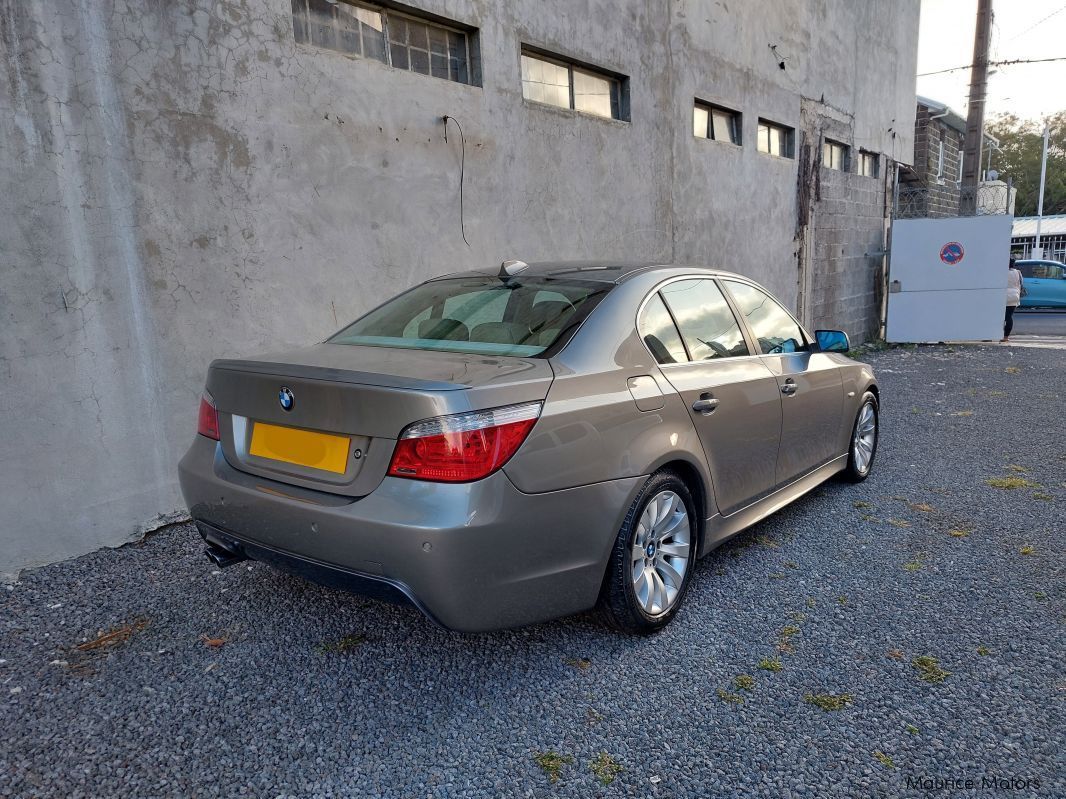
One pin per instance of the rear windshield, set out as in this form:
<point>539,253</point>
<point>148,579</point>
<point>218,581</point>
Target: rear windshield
<point>484,315</point>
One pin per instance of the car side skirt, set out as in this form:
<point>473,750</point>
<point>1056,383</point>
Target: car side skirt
<point>720,529</point>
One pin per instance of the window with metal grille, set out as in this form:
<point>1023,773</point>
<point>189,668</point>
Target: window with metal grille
<point>554,81</point>
<point>392,37</point>
<point>834,155</point>
<point>715,122</point>
<point>774,139</point>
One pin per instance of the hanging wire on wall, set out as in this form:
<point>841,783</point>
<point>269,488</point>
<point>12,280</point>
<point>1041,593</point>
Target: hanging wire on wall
<point>462,170</point>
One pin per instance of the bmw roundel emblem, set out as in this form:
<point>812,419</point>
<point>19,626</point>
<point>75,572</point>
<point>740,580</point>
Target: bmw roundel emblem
<point>286,398</point>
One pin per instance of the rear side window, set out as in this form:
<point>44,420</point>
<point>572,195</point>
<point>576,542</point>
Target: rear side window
<point>707,324</point>
<point>773,326</point>
<point>486,315</point>
<point>660,334</point>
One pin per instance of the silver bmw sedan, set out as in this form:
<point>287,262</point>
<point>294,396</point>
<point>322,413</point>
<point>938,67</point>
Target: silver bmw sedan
<point>506,446</point>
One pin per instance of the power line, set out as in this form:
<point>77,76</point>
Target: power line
<point>995,64</point>
<point>1035,24</point>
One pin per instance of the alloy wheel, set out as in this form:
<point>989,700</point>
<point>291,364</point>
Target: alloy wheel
<point>864,439</point>
<point>661,553</point>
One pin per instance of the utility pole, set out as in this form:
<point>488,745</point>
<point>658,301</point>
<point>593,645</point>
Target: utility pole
<point>1038,251</point>
<point>975,113</point>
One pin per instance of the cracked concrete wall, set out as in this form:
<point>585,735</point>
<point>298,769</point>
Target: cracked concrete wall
<point>179,181</point>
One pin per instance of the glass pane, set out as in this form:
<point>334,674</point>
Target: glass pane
<point>438,63</point>
<point>321,24</point>
<point>723,126</point>
<point>777,141</point>
<point>348,29</point>
<point>660,334</point>
<point>419,61</point>
<point>773,327</point>
<point>398,30</point>
<point>399,56</point>
<point>706,321</point>
<point>373,28</point>
<point>764,138</point>
<point>438,41</point>
<point>417,35</point>
<point>592,94</point>
<point>699,122</point>
<point>545,82</point>
<point>480,315</point>
<point>299,20</point>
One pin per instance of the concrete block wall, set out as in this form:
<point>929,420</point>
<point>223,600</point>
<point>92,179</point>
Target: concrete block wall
<point>181,181</point>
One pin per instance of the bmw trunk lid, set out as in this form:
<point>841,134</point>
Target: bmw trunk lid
<point>327,417</point>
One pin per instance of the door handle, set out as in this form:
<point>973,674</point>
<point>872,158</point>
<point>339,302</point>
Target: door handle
<point>789,388</point>
<point>705,405</point>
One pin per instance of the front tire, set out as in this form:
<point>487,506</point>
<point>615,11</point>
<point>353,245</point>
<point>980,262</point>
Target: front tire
<point>864,437</point>
<point>653,557</point>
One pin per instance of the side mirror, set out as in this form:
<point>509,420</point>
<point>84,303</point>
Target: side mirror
<point>832,340</point>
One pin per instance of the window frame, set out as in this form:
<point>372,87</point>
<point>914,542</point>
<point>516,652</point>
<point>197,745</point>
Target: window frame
<point>736,121</point>
<point>619,83</point>
<point>754,345</point>
<point>469,34</point>
<point>789,138</point>
<point>865,156</point>
<point>831,147</point>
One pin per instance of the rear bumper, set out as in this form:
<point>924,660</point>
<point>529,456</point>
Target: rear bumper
<point>472,556</point>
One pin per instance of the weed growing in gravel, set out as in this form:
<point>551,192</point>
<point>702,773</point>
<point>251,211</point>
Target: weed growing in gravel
<point>343,645</point>
<point>777,576</point>
<point>910,728</point>
<point>770,664</point>
<point>790,564</point>
<point>843,599</point>
<point>1010,483</point>
<point>895,654</point>
<point>1042,496</point>
<point>929,669</point>
<point>1027,550</point>
<point>1013,370</point>
<point>744,682</point>
<point>866,517</point>
<point>1040,595</point>
<point>983,650</point>
<point>915,564</point>
<point>828,702</point>
<point>812,602</point>
<point>899,522</point>
<point>766,541</point>
<point>859,503</point>
<point>729,697</point>
<point>605,768</point>
<point>789,630</point>
<point>1013,467</point>
<point>593,716</point>
<point>551,763</point>
<point>923,507</point>
<point>113,637</point>
<point>962,413</point>
<point>883,759</point>
<point>581,664</point>
<point>960,532</point>
<point>797,616</point>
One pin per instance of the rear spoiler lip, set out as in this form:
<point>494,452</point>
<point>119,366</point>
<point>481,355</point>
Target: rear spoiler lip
<point>330,375</point>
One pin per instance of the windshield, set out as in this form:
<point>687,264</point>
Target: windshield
<point>484,315</point>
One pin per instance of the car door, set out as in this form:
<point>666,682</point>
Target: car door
<point>809,382</point>
<point>731,395</point>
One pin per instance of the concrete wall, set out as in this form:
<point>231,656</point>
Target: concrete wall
<point>179,181</point>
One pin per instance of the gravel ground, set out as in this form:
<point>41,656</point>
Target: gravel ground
<point>319,693</point>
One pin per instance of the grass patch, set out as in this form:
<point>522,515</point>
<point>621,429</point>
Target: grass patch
<point>895,654</point>
<point>899,522</point>
<point>962,413</point>
<point>842,599</point>
<point>551,763</point>
<point>828,702</point>
<point>923,507</point>
<point>1013,467</point>
<point>771,664</point>
<point>883,759</point>
<point>860,503</point>
<point>959,532</point>
<point>1042,496</point>
<point>911,729</point>
<point>812,602</point>
<point>593,716</point>
<point>766,541</point>
<point>729,697</point>
<point>605,768</point>
<point>1010,483</point>
<point>866,517</point>
<point>581,664</point>
<point>744,682</point>
<point>789,630</point>
<point>984,651</point>
<point>914,565</point>
<point>1027,550</point>
<point>929,670</point>
<point>342,646</point>
<point>790,564</point>
<point>1013,370</point>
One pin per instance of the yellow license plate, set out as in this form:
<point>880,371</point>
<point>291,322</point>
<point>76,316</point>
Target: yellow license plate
<point>302,447</point>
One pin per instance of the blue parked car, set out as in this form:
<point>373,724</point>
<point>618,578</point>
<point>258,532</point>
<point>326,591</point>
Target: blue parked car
<point>1045,284</point>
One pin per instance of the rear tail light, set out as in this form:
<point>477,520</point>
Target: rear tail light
<point>463,447</point>
<point>208,422</point>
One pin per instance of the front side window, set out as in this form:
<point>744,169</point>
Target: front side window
<point>660,334</point>
<point>774,139</point>
<point>556,82</point>
<point>400,40</point>
<point>773,327</point>
<point>485,315</point>
<point>705,319</point>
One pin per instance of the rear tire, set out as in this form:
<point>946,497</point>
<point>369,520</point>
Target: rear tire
<point>653,557</point>
<point>865,434</point>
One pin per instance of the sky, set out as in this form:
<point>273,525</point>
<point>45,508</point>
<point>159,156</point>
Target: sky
<point>1020,30</point>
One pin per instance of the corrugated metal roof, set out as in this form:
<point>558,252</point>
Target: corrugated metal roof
<point>1054,225</point>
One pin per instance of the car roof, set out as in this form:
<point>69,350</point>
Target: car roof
<point>600,271</point>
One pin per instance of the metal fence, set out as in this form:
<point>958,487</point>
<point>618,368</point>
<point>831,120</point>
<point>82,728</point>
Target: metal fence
<point>941,201</point>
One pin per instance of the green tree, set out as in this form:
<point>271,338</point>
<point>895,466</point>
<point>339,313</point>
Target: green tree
<point>1021,141</point>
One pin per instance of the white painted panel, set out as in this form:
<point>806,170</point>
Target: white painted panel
<point>931,316</point>
<point>917,245</point>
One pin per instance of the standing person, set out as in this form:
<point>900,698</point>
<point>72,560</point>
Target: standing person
<point>1014,298</point>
